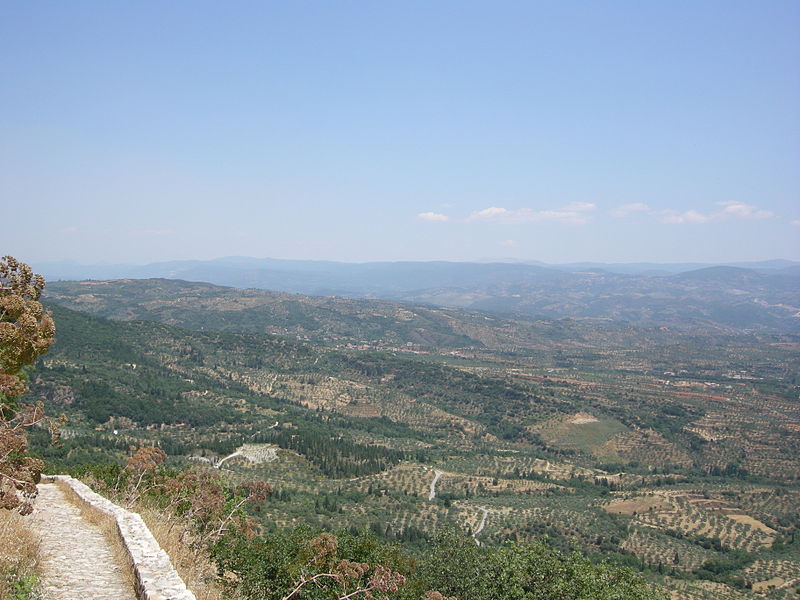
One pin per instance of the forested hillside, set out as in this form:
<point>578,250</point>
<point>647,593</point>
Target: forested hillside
<point>656,454</point>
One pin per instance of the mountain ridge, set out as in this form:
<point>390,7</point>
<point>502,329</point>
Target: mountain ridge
<point>722,298</point>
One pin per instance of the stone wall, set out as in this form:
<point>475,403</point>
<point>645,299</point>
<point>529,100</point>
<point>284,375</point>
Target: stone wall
<point>156,579</point>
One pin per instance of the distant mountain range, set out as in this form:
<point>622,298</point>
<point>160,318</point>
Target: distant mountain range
<point>760,296</point>
<point>326,278</point>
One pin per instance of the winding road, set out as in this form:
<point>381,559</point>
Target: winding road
<point>254,453</point>
<point>437,475</point>
<point>481,526</point>
<point>234,455</point>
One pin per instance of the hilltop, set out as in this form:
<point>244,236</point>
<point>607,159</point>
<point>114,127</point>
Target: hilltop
<point>336,321</point>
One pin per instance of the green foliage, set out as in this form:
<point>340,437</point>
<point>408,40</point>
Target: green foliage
<point>266,567</point>
<point>24,588</point>
<point>721,569</point>
<point>334,457</point>
<point>525,571</point>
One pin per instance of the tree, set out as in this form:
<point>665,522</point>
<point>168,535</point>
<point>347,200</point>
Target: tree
<point>26,332</point>
<point>308,564</point>
<point>529,570</point>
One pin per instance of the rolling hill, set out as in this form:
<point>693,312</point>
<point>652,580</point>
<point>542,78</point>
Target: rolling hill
<point>723,298</point>
<point>640,445</point>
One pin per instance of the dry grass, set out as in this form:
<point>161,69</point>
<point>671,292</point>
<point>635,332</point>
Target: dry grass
<point>19,555</point>
<point>193,564</point>
<point>107,526</point>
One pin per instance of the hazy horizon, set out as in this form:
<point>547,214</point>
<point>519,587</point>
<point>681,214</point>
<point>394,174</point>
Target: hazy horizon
<point>611,132</point>
<point>499,260</point>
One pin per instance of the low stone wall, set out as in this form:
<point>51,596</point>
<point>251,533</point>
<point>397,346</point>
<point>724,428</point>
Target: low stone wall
<point>156,579</point>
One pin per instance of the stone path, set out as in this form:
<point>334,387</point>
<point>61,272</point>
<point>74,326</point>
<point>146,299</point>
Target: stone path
<point>76,561</point>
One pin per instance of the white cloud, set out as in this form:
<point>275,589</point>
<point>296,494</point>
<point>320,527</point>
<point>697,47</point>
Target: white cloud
<point>571,214</point>
<point>690,216</point>
<point>740,210</point>
<point>629,209</point>
<point>731,210</point>
<point>71,229</point>
<point>796,222</point>
<point>509,243</point>
<point>433,217</point>
<point>580,206</point>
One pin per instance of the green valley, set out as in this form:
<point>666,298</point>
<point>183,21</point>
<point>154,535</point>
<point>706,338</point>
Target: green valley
<point>669,452</point>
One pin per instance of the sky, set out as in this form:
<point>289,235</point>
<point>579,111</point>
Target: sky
<point>400,130</point>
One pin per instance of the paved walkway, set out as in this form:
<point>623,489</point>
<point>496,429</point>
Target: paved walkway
<point>76,561</point>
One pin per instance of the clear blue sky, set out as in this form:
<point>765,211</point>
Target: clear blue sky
<point>400,130</point>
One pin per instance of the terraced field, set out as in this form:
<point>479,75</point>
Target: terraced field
<point>645,446</point>
<point>692,515</point>
<point>518,465</point>
<point>656,548</point>
<point>764,575</point>
<point>705,590</point>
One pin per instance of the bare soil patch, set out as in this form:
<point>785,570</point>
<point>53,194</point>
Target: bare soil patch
<point>763,586</point>
<point>636,505</point>
<point>582,418</point>
<point>748,520</point>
